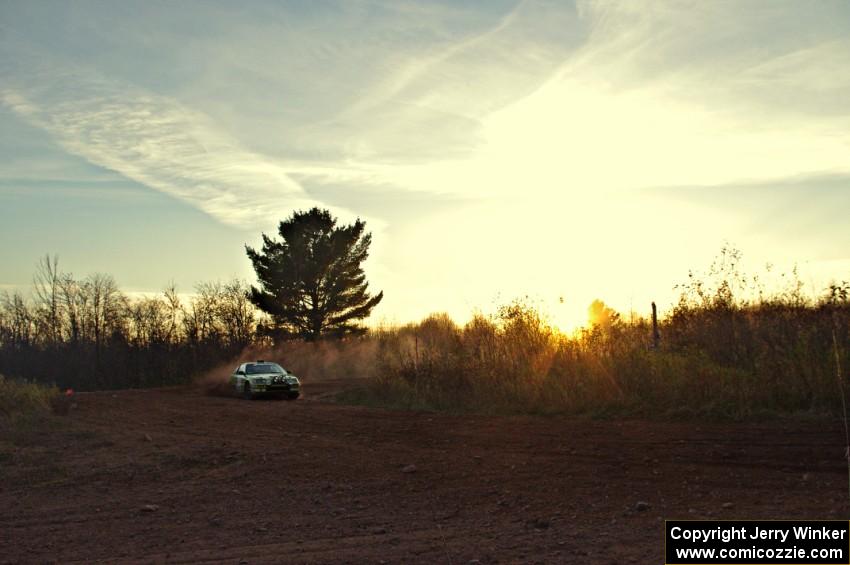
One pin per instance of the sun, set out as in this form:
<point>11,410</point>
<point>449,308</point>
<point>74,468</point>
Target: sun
<point>567,316</point>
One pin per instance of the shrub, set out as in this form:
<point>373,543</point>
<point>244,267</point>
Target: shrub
<point>22,401</point>
<point>720,356</point>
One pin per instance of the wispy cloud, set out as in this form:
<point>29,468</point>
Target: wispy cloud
<point>535,94</point>
<point>161,144</point>
<point>152,139</point>
<point>556,102</point>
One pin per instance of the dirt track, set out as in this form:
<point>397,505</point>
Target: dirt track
<point>177,476</point>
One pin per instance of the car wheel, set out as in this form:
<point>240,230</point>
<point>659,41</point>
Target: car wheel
<point>292,396</point>
<point>246,392</point>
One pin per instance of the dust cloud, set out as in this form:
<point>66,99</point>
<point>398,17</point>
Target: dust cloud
<point>315,362</point>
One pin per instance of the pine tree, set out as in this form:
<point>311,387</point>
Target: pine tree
<point>311,281</point>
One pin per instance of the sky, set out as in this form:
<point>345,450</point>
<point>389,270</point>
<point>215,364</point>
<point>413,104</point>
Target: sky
<point>563,151</point>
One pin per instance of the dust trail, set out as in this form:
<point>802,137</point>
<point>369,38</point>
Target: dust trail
<point>310,362</point>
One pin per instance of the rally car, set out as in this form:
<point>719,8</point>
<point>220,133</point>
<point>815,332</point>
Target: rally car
<point>265,378</point>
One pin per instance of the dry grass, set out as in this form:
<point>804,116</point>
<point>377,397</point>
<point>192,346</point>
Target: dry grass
<point>22,402</point>
<point>722,355</point>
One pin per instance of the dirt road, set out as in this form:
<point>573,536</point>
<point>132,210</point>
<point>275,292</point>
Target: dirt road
<point>179,476</point>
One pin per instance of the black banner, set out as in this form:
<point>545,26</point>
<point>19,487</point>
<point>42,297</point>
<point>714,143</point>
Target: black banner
<point>754,542</point>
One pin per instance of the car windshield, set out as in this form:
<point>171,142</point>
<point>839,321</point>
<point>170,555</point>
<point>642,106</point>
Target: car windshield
<point>257,368</point>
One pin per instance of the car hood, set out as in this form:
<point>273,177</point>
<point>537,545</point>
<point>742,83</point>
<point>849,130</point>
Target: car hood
<point>270,376</point>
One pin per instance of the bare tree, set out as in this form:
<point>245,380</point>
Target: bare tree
<point>16,317</point>
<point>236,313</point>
<point>201,317</point>
<point>174,309</point>
<point>75,298</point>
<point>85,333</point>
<point>150,321</point>
<point>46,286</point>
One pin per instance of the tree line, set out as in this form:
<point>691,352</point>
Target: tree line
<point>87,333</point>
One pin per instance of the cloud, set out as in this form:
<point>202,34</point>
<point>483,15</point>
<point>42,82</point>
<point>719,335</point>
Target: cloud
<point>812,208</point>
<point>160,143</point>
<point>661,94</point>
<point>431,101</point>
<point>555,102</point>
<point>447,99</point>
<point>150,138</point>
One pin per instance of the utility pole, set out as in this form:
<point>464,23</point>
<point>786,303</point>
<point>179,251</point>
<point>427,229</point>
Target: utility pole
<point>656,337</point>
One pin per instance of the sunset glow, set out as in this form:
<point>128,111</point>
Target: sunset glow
<point>564,152</point>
